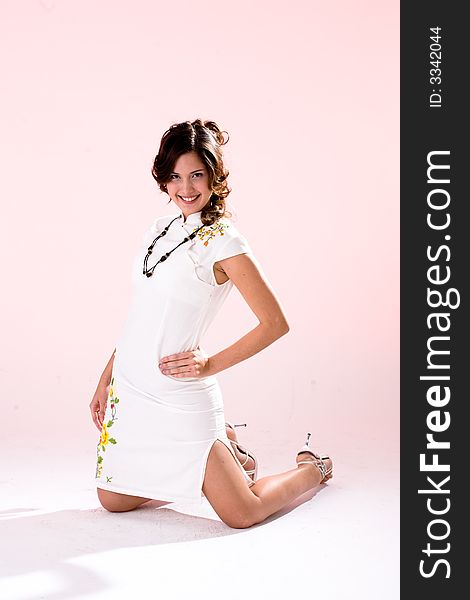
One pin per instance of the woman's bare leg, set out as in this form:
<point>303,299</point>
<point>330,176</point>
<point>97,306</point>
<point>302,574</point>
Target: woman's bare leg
<point>240,506</point>
<point>115,502</point>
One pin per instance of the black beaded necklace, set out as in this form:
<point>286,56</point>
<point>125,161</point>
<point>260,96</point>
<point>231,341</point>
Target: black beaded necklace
<point>149,272</point>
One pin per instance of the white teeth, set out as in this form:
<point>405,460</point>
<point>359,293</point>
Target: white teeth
<point>188,199</point>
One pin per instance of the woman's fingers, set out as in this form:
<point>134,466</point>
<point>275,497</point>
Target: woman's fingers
<point>98,408</point>
<point>182,360</point>
<point>98,418</point>
<point>177,360</point>
<point>101,412</point>
<point>95,419</point>
<point>184,364</point>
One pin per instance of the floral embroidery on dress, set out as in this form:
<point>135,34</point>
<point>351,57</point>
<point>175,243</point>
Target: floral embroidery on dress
<point>209,232</point>
<point>104,437</point>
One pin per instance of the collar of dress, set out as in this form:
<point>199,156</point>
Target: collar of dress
<point>192,219</point>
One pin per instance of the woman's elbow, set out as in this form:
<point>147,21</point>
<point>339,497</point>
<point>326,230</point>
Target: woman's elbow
<point>279,326</point>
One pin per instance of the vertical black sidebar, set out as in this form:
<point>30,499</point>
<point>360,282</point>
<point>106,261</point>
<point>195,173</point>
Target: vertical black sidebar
<point>434,293</point>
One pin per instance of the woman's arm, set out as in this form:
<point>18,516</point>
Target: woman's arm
<point>246,274</point>
<point>105,378</point>
<point>99,400</point>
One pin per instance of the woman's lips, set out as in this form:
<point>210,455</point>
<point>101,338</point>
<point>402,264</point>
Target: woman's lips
<point>188,201</point>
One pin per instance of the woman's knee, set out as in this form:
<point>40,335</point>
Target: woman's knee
<point>244,521</point>
<point>108,500</point>
<point>115,502</point>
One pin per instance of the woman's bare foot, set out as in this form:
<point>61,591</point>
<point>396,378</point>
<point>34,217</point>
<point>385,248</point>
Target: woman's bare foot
<point>307,456</point>
<point>231,433</point>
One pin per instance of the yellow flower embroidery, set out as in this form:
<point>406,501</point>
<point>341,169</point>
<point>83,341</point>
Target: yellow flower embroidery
<point>104,435</point>
<point>209,232</point>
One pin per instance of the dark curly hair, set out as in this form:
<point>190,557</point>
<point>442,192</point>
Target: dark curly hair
<point>205,138</point>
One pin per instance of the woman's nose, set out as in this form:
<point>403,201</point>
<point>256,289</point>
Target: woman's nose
<point>187,188</point>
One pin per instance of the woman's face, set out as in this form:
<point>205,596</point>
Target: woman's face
<point>189,184</point>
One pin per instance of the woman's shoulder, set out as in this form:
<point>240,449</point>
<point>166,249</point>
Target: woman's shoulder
<point>159,223</point>
<point>220,240</point>
<point>219,233</point>
<point>228,227</point>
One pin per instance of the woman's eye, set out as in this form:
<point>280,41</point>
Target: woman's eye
<point>195,174</point>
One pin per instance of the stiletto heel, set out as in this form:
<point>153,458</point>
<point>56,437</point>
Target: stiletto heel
<point>232,425</point>
<point>317,461</point>
<point>253,473</point>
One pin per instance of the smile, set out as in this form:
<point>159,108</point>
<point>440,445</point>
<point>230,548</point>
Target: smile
<point>189,199</point>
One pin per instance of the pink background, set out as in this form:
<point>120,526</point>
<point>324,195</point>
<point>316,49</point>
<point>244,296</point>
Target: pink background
<point>309,95</point>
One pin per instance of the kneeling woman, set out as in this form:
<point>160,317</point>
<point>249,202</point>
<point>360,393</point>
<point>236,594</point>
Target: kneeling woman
<point>158,404</point>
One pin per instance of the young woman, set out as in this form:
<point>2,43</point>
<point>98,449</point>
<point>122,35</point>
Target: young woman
<point>158,404</point>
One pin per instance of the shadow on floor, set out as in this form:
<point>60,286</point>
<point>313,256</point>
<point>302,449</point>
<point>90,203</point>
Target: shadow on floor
<point>34,540</point>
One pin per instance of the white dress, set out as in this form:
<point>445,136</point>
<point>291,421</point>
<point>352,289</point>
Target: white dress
<point>158,429</point>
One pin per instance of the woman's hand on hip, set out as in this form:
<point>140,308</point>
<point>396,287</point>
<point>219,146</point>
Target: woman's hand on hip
<point>194,363</point>
<point>98,405</point>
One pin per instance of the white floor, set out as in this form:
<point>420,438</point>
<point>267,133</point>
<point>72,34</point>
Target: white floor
<point>56,542</point>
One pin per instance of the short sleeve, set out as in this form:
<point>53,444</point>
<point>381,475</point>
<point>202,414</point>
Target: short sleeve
<point>235,245</point>
<point>216,242</point>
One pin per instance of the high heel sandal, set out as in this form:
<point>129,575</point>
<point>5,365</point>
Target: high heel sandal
<point>253,473</point>
<point>317,461</point>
